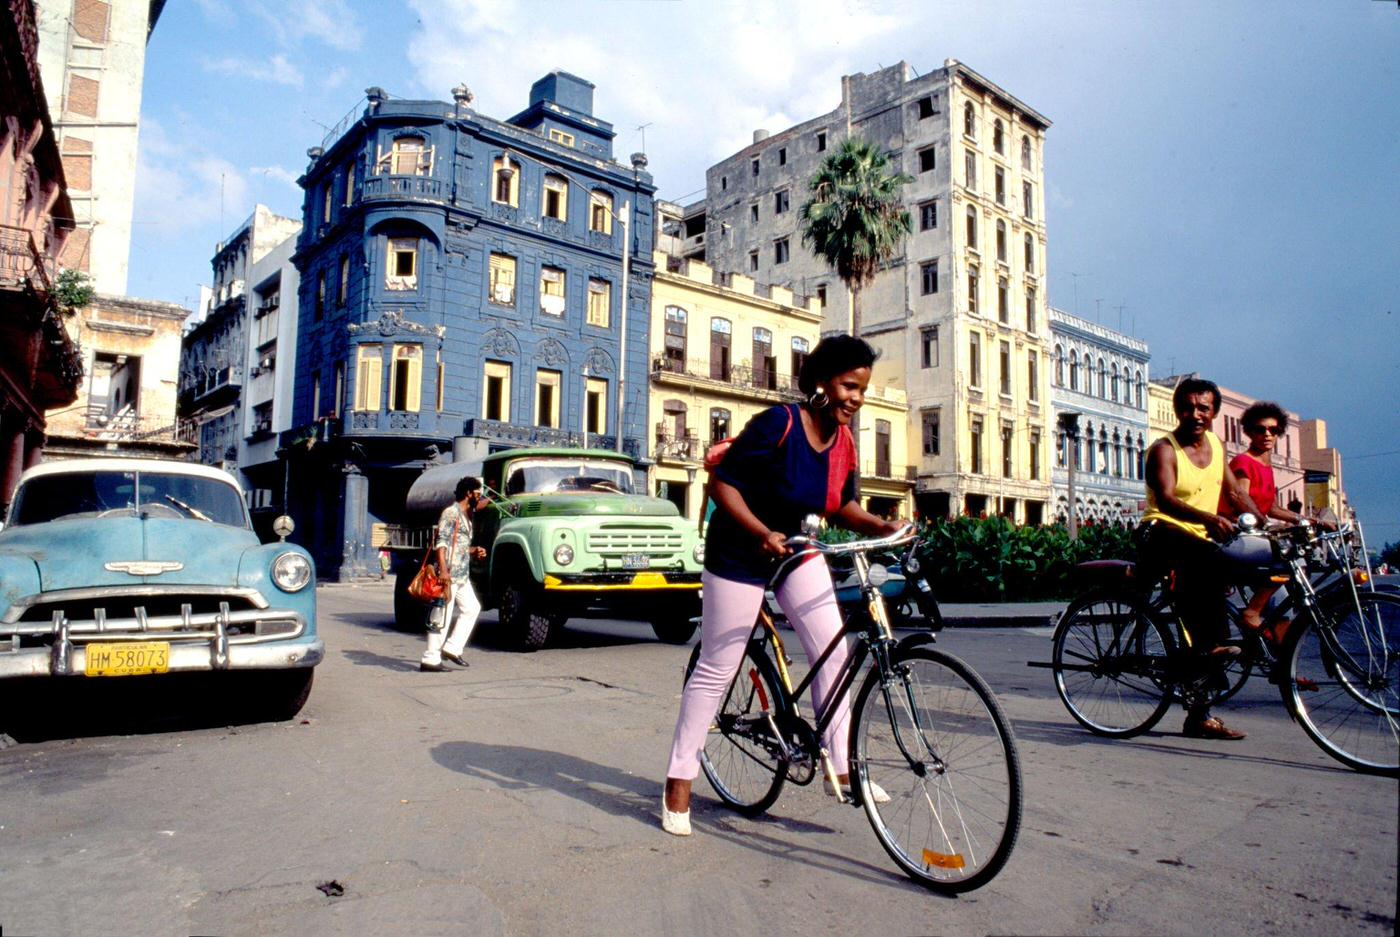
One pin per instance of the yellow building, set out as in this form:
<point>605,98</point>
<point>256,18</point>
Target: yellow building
<point>1161,418</point>
<point>723,349</point>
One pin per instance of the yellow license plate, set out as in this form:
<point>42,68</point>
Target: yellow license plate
<point>128,658</point>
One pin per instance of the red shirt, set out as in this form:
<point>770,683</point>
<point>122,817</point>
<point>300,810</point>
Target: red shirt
<point>1260,481</point>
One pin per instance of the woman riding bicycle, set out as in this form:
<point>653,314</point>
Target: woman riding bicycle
<point>1187,478</point>
<point>789,461</point>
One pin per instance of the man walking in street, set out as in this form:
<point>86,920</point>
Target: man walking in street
<point>452,618</point>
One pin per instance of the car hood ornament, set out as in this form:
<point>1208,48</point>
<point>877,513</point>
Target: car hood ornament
<point>144,567</point>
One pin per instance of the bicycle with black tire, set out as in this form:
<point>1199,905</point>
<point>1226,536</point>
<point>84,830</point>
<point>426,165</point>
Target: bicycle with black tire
<point>926,731</point>
<point>1121,657</point>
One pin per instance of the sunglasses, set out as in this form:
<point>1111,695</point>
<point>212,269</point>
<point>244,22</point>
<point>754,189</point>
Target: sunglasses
<point>1262,430</point>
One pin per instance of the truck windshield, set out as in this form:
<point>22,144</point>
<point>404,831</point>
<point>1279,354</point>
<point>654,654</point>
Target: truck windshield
<point>73,495</point>
<point>548,477</point>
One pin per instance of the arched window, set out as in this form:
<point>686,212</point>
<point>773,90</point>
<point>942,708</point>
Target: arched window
<point>1028,246</point>
<point>969,120</point>
<point>1073,369</point>
<point>972,227</point>
<point>998,137</point>
<point>675,338</point>
<point>1001,240</point>
<point>505,181</point>
<point>1059,366</point>
<point>1103,451</point>
<point>1103,379</point>
<point>554,199</point>
<point>800,349</point>
<point>720,330</point>
<point>1113,395</point>
<point>1026,153</point>
<point>1137,386</point>
<point>409,156</point>
<point>600,207</point>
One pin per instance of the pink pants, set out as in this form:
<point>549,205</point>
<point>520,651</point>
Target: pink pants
<point>730,609</point>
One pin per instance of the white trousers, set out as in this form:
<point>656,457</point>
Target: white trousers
<point>460,614</point>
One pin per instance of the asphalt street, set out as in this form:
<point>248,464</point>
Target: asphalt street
<point>520,796</point>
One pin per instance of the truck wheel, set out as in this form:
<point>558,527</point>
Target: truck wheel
<point>410,615</point>
<point>524,621</point>
<point>677,630</point>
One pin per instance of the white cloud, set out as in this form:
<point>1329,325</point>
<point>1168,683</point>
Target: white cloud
<point>277,69</point>
<point>330,22</point>
<point>182,188</point>
<point>276,173</point>
<point>704,76</point>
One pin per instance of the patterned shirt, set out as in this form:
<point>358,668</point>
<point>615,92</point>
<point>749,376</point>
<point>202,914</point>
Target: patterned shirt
<point>460,555</point>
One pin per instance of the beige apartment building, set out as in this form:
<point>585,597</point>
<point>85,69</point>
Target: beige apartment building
<point>724,348</point>
<point>959,315</point>
<point>93,57</point>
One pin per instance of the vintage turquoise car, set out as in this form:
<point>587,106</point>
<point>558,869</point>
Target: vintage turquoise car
<point>124,567</point>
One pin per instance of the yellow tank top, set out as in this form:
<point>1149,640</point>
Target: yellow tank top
<point>1198,487</point>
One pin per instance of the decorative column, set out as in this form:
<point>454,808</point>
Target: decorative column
<point>355,529</point>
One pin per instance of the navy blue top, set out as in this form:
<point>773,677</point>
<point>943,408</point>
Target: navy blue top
<point>782,481</point>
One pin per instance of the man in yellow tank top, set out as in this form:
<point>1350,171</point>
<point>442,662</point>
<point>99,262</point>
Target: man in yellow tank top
<point>1186,476</point>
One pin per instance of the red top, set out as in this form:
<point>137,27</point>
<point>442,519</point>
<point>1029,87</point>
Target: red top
<point>1260,479</point>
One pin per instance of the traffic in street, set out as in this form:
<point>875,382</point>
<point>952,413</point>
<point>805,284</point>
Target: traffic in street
<point>520,795</point>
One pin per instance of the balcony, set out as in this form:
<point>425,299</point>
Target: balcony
<point>511,435</point>
<point>213,387</point>
<point>22,263</point>
<point>882,470</point>
<point>670,447</point>
<point>736,380</point>
<point>397,188</point>
<point>130,427</point>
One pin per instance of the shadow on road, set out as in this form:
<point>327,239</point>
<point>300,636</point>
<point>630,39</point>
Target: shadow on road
<point>637,798</point>
<point>45,709</point>
<point>363,658</point>
<point>1061,734</point>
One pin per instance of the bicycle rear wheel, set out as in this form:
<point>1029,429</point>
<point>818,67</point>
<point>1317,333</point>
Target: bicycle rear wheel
<point>743,760</point>
<point>1110,660</point>
<point>1343,678</point>
<point>937,743</point>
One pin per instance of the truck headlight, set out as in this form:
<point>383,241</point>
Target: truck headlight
<point>563,554</point>
<point>291,572</point>
<point>699,553</point>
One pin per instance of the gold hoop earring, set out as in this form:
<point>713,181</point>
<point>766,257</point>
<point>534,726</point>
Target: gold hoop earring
<point>819,400</point>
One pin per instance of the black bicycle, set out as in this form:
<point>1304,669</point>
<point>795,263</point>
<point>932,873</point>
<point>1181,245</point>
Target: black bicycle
<point>933,758</point>
<point>1121,656</point>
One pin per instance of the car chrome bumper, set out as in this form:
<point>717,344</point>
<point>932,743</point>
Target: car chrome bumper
<point>197,642</point>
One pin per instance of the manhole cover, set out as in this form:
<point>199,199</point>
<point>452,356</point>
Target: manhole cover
<point>518,692</point>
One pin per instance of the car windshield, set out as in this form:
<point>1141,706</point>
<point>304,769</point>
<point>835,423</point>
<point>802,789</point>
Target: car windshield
<point>556,475</point>
<point>71,495</point>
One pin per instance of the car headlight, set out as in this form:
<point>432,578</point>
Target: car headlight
<point>563,554</point>
<point>291,572</point>
<point>699,553</point>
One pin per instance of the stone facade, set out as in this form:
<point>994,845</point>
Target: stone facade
<point>1102,376</point>
<point>40,366</point>
<point>459,277</point>
<point>959,315</point>
<point>93,57</point>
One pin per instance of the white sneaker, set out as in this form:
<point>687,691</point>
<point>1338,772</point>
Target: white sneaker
<point>877,793</point>
<point>677,824</point>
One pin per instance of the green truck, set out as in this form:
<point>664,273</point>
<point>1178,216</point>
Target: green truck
<point>566,536</point>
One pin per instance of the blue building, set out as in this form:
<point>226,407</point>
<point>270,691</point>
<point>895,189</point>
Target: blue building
<point>461,280</point>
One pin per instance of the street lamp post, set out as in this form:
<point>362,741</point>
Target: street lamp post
<point>1069,422</point>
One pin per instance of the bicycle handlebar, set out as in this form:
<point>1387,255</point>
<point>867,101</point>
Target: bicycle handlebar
<point>900,537</point>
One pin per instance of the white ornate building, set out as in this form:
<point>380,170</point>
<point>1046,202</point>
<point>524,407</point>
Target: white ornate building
<point>1101,375</point>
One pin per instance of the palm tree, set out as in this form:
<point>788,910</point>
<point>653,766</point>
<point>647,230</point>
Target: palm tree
<point>855,218</point>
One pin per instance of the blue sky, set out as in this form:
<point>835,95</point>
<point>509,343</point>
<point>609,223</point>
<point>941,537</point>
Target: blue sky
<point>1224,171</point>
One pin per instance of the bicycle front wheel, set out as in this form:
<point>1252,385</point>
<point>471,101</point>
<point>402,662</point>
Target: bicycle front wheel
<point>743,760</point>
<point>1110,659</point>
<point>1343,680</point>
<point>933,744</point>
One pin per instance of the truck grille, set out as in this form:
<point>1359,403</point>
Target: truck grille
<point>620,542</point>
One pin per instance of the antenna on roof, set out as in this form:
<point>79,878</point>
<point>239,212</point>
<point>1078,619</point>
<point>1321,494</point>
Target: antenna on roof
<point>643,130</point>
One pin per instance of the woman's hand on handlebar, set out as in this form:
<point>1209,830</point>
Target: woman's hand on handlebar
<point>775,544</point>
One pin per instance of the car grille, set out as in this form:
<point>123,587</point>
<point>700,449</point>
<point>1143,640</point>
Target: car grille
<point>119,607</point>
<point>621,542</point>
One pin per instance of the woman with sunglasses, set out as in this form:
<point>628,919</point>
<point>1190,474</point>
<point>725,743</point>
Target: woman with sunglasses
<point>1264,422</point>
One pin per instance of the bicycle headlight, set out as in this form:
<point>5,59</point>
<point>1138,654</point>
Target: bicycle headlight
<point>563,554</point>
<point>912,565</point>
<point>699,553</point>
<point>879,575</point>
<point>291,572</point>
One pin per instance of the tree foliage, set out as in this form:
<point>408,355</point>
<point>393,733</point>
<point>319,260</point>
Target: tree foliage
<point>855,218</point>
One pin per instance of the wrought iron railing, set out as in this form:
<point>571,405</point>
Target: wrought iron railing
<point>129,426</point>
<point>684,448</point>
<point>378,187</point>
<point>882,469</point>
<point>736,375</point>
<point>21,260</point>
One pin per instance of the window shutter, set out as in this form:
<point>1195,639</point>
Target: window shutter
<point>425,163</point>
<point>415,382</point>
<point>382,159</point>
